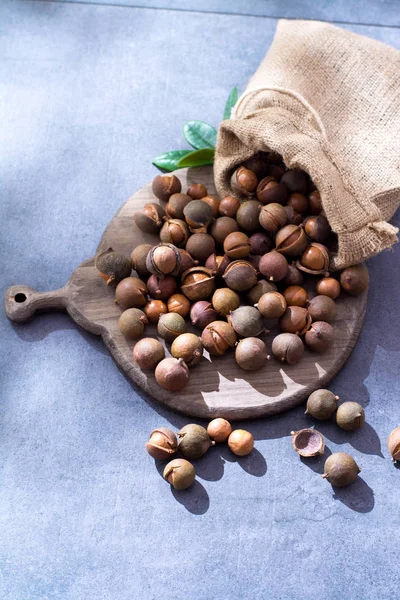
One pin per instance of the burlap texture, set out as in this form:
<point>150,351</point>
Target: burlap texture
<point>328,101</point>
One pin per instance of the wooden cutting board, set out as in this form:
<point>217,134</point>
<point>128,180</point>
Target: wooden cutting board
<point>217,386</point>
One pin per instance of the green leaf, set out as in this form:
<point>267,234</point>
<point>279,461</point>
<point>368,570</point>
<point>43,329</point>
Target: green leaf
<point>230,103</point>
<point>199,135</point>
<point>169,160</point>
<point>198,158</point>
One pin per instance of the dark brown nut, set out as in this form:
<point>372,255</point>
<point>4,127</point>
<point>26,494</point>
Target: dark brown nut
<point>174,231</point>
<point>291,240</point>
<point>163,260</point>
<point>273,266</point>
<point>298,202</point>
<point>222,227</point>
<point>295,180</point>
<point>322,404</point>
<point>176,204</point>
<point>154,309</point>
<point>200,246</point>
<point>198,283</point>
<point>161,289</point>
<point>308,442</point>
<point>202,314</point>
<point>219,429</point>
<point>187,261</point>
<point>295,320</point>
<point>295,295</point>
<point>236,244</point>
<point>341,469</point>
<point>189,347</point>
<point>258,164</point>
<point>247,321</point>
<point>314,260</point>
<point>293,277</point>
<point>138,259</point>
<point>394,444</point>
<point>197,191</point>
<point>251,354</point>
<point>270,191</point>
<point>162,443</point>
<point>229,206</point>
<point>131,323</point>
<point>171,325</point>
<point>244,182</point>
<point>150,218</point>
<point>293,218</point>
<point>320,337</point>
<point>328,286</point>
<point>218,264</point>
<point>178,303</point>
<point>262,287</point>
<point>288,347</point>
<point>317,228</point>
<point>131,292</point>
<point>213,203</point>
<point>350,416</point>
<point>241,442</point>
<point>218,337</point>
<point>147,353</point>
<point>198,215</point>
<point>224,301</point>
<point>248,215</point>
<point>240,276</point>
<point>180,473</point>
<point>322,308</point>
<point>112,266</point>
<point>194,441</point>
<point>172,374</point>
<point>272,305</point>
<point>254,259</point>
<point>272,217</point>
<point>164,186</point>
<point>260,243</point>
<point>314,202</point>
<point>276,170</point>
<point>355,280</point>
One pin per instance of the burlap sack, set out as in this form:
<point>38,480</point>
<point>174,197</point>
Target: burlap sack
<point>329,102</point>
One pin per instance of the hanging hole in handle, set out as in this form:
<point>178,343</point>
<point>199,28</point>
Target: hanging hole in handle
<point>20,297</point>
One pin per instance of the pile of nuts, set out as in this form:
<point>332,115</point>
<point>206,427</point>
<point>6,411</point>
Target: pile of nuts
<point>233,267</point>
<point>192,442</point>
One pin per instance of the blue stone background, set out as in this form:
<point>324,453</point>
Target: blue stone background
<point>90,92</point>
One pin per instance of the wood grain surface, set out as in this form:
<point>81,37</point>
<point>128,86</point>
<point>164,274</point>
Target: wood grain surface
<point>217,386</point>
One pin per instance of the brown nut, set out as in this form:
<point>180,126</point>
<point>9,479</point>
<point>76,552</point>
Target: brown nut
<point>272,217</point>
<point>320,337</point>
<point>172,374</point>
<point>350,416</point>
<point>180,473</point>
<point>222,227</point>
<point>131,323</point>
<point>174,231</point>
<point>113,267</point>
<point>394,444</point>
<point>213,202</point>
<point>178,303</point>
<point>218,337</point>
<point>131,293</point>
<point>262,287</point>
<point>295,180</point>
<point>241,442</point>
<point>244,182</point>
<point>187,261</point>
<point>200,246</point>
<point>154,309</point>
<point>322,308</point>
<point>295,295</point>
<point>248,215</point>
<point>355,279</point>
<point>298,202</point>
<point>293,277</point>
<point>217,264</point>
<point>197,191</point>
<point>341,469</point>
<point>273,266</point>
<point>236,245</point>
<point>308,442</point>
<point>170,325</point>
<point>322,404</point>
<point>317,228</point>
<point>224,301</point>
<point>147,353</point>
<point>272,305</point>
<point>229,206</point>
<point>194,441</point>
<point>163,260</point>
<point>164,186</point>
<point>189,347</point>
<point>240,276</point>
<point>150,218</point>
<point>314,202</point>
<point>270,191</point>
<point>288,347</point>
<point>198,283</point>
<point>314,260</point>
<point>161,289</point>
<point>291,240</point>
<point>328,286</point>
<point>198,215</point>
<point>260,243</point>
<point>295,320</point>
<point>251,354</point>
<point>138,259</point>
<point>162,443</point>
<point>219,429</point>
<point>202,314</point>
<point>176,204</point>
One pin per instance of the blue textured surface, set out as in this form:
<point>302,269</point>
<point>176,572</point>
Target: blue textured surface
<point>89,95</point>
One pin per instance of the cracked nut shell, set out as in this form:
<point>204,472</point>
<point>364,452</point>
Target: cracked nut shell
<point>176,204</point>
<point>236,244</point>
<point>295,320</point>
<point>272,217</point>
<point>198,283</point>
<point>218,337</point>
<point>189,347</point>
<point>308,442</point>
<point>162,443</point>
<point>180,473</point>
<point>198,215</point>
<point>150,218</point>
<point>164,186</point>
<point>272,305</point>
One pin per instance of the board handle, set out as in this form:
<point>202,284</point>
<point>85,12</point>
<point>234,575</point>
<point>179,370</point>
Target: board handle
<point>21,302</point>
